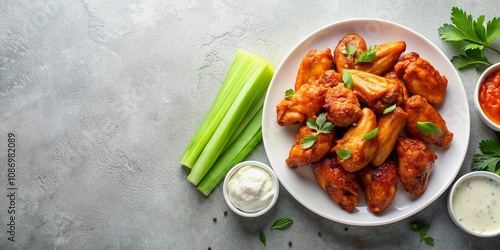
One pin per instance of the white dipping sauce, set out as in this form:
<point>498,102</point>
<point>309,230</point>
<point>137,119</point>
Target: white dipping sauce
<point>476,204</point>
<point>251,189</point>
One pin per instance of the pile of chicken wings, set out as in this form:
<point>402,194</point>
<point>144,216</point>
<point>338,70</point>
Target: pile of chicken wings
<point>392,93</point>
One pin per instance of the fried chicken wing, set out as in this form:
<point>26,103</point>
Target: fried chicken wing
<point>299,156</point>
<point>341,59</point>
<point>329,79</point>
<point>376,92</point>
<point>393,75</point>
<point>380,185</point>
<point>422,78</point>
<point>415,164</point>
<point>390,127</point>
<point>341,186</point>
<point>386,55</point>
<point>313,65</point>
<point>419,110</point>
<point>342,106</point>
<point>362,151</point>
<point>306,103</point>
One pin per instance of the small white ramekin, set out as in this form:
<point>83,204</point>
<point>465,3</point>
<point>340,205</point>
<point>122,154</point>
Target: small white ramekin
<point>234,170</point>
<point>483,116</point>
<point>451,211</point>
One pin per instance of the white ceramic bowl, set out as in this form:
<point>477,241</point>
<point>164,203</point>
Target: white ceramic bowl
<point>233,171</point>
<point>483,116</point>
<point>452,211</point>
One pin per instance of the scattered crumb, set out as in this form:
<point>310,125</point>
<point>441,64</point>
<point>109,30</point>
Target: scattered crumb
<point>290,243</point>
<point>209,248</point>
<point>225,212</point>
<point>214,218</point>
<point>319,234</point>
<point>346,229</point>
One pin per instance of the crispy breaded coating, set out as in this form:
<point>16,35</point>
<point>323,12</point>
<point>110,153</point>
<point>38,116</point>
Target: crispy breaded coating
<point>341,59</point>
<point>341,186</point>
<point>419,110</point>
<point>380,185</point>
<point>312,66</point>
<point>422,78</point>
<point>386,55</point>
<point>299,156</point>
<point>362,151</point>
<point>342,106</point>
<point>415,164</point>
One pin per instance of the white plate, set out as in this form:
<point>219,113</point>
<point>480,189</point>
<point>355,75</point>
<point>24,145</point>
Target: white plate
<point>302,184</point>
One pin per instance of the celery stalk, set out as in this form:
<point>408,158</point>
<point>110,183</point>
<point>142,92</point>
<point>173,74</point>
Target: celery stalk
<point>246,141</point>
<point>244,123</point>
<point>250,94</point>
<point>241,68</point>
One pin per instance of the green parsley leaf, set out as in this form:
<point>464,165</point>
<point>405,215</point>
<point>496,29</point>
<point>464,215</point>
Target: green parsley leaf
<point>320,125</point>
<point>282,223</point>
<point>289,94</point>
<point>422,229</point>
<point>429,128</point>
<point>347,78</point>
<point>429,241</point>
<point>308,141</point>
<point>473,35</point>
<point>344,154</point>
<point>472,57</point>
<point>371,134</point>
<point>350,50</point>
<point>368,55</point>
<point>489,158</point>
<point>389,109</point>
<point>262,237</point>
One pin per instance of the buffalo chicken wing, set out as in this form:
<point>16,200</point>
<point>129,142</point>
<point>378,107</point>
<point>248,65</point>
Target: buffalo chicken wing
<point>419,110</point>
<point>300,156</point>
<point>341,186</point>
<point>415,164</point>
<point>380,185</point>
<point>422,78</point>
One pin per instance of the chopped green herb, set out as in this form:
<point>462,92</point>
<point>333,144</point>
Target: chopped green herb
<point>350,50</point>
<point>429,128</point>
<point>368,55</point>
<point>389,109</point>
<point>371,134</point>
<point>289,94</point>
<point>282,223</point>
<point>347,79</point>
<point>320,125</point>
<point>473,36</point>
<point>422,229</point>
<point>344,154</point>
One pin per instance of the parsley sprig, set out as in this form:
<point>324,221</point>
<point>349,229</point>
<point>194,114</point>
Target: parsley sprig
<point>421,228</point>
<point>489,157</point>
<point>320,125</point>
<point>474,36</point>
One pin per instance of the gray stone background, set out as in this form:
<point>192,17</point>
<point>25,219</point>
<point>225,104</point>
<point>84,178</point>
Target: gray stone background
<point>104,96</point>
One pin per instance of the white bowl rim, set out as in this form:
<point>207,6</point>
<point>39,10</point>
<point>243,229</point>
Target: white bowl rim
<point>450,201</point>
<point>236,168</point>
<point>483,116</point>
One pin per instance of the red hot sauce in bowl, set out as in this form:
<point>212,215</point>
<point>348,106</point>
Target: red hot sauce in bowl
<point>489,96</point>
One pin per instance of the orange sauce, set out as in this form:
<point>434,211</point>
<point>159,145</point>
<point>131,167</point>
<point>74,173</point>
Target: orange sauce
<point>489,96</point>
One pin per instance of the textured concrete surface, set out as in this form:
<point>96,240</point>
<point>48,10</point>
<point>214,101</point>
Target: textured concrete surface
<point>103,97</point>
